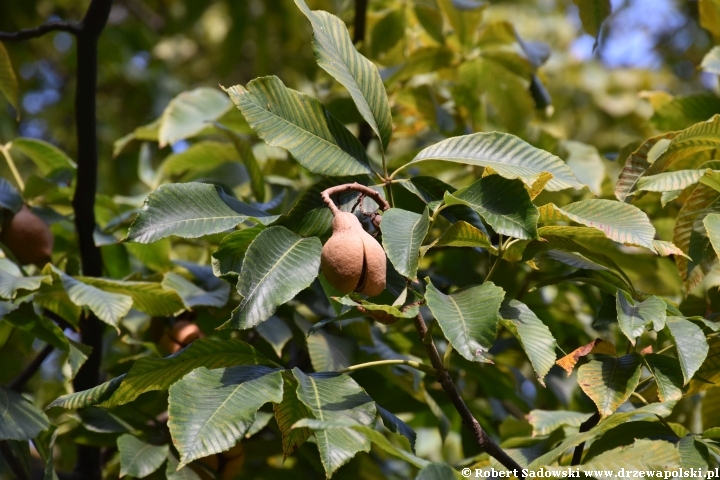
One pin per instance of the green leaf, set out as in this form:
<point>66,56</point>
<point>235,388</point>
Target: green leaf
<point>668,376</point>
<point>639,162</point>
<point>462,234</point>
<point>243,148</point>
<point>148,297</point>
<point>193,295</point>
<point>592,14</point>
<point>534,336</point>
<point>336,54</point>
<point>277,266</point>
<point>8,80</point>
<point>682,112</point>
<point>88,398</point>
<point>227,259</point>
<point>712,226</point>
<point>464,17</point>
<point>633,317</point>
<point>506,154</point>
<point>700,137</point>
<point>387,32</point>
<point>201,156</point>
<point>189,113</point>
<point>275,331</point>
<point>289,411</point>
<point>19,419</point>
<point>422,60</point>
<point>436,471</point>
<point>468,318</point>
<point>643,455</point>
<point>25,318</point>
<point>138,458</point>
<point>333,397</point>
<point>710,411</point>
<point>149,374</point>
<point>395,425</point>
<point>402,235</point>
<point>77,356</point>
<point>328,353</point>
<point>190,210</point>
<point>47,157</point>
<point>545,422</point>
<point>299,123</point>
<point>172,472</point>
<point>9,196</point>
<point>690,343</point>
<point>670,181</point>
<point>211,410</point>
<point>503,203</point>
<point>621,222</point>
<point>109,307</point>
<point>711,61</point>
<point>10,284</point>
<point>610,381</point>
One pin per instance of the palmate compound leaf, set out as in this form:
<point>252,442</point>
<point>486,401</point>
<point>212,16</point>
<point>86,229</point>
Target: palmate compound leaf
<point>333,397</point>
<point>19,419</point>
<point>190,210</point>
<point>138,458</point>
<point>211,410</point>
<point>468,318</point>
<point>301,124</point>
<point>336,54</point>
<point>148,374</point>
<point>506,154</point>
<point>402,235</point>
<point>690,343</point>
<point>634,317</point>
<point>609,381</point>
<point>504,204</point>
<point>534,336</point>
<point>277,266</point>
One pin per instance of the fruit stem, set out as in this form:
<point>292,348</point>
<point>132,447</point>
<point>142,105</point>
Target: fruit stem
<point>11,164</point>
<point>325,195</point>
<point>408,363</point>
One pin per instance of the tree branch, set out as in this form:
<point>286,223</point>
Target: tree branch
<point>584,427</point>
<point>17,383</point>
<point>28,33</point>
<point>446,382</point>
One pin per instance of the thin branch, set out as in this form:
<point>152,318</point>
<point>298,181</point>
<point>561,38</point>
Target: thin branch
<point>325,195</point>
<point>446,382</point>
<point>584,427</point>
<point>408,363</point>
<point>28,33</point>
<point>18,382</point>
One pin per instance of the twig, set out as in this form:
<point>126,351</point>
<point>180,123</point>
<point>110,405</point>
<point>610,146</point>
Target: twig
<point>325,195</point>
<point>584,427</point>
<point>446,382</point>
<point>17,383</point>
<point>408,363</point>
<point>11,165</point>
<point>28,33</point>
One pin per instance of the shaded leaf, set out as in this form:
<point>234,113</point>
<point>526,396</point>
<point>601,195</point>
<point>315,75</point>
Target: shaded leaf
<point>19,419</point>
<point>610,381</point>
<point>504,204</point>
<point>692,347</point>
<point>275,331</point>
<point>8,80</point>
<point>211,410</point>
<point>592,14</point>
<point>395,425</point>
<point>227,259</point>
<point>289,411</point>
<point>189,113</point>
<point>333,397</point>
<point>243,148</point>
<point>668,376</point>
<point>193,295</point>
<point>633,316</point>
<point>138,458</point>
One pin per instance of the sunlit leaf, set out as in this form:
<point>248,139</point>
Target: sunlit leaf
<point>592,14</point>
<point>47,157</point>
<point>692,348</point>
<point>402,235</point>
<point>634,316</point>
<point>468,318</point>
<point>544,422</point>
<point>189,113</point>
<point>610,381</point>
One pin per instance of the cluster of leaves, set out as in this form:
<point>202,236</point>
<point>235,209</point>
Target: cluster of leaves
<point>492,238</point>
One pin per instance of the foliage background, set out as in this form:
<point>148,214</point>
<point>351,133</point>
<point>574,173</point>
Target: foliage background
<point>605,101</point>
